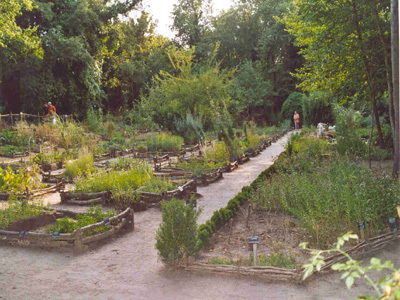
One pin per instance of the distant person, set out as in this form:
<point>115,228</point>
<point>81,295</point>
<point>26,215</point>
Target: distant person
<point>52,112</point>
<point>52,109</point>
<point>296,118</point>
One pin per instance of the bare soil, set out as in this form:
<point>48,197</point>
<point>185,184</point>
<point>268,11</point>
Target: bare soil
<point>277,231</point>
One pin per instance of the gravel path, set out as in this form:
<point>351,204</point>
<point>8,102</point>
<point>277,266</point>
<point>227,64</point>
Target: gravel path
<point>128,268</point>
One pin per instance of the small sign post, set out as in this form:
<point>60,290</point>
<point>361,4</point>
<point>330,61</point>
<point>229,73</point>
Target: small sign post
<point>106,221</point>
<point>361,226</point>
<point>55,234</point>
<point>21,233</point>
<point>392,224</point>
<point>254,240</point>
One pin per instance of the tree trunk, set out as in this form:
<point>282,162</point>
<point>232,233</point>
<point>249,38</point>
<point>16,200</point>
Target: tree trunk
<point>388,68</point>
<point>394,17</point>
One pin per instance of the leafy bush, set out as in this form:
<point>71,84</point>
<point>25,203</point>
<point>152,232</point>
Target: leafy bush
<point>9,137</point>
<point>317,109</point>
<point>18,182</point>
<point>191,129</point>
<point>83,165</point>
<point>94,120</point>
<point>217,153</point>
<point>177,236</point>
<point>115,180</point>
<point>347,123</point>
<point>197,168</point>
<point>95,215</point>
<point>9,150</point>
<point>279,260</point>
<point>293,103</point>
<point>251,140</point>
<point>309,147</point>
<point>158,185</point>
<point>164,142</point>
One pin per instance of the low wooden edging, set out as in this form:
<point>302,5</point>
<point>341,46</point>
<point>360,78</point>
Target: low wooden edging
<point>271,273</point>
<point>371,244</point>
<point>33,193</point>
<point>85,198</point>
<point>208,178</point>
<point>147,198</point>
<point>182,192</point>
<point>16,154</point>
<point>76,240</point>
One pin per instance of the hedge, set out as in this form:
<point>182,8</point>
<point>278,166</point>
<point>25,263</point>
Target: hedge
<point>223,215</point>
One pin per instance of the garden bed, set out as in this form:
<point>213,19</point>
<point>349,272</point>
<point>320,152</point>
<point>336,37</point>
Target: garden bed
<point>143,200</point>
<point>78,240</point>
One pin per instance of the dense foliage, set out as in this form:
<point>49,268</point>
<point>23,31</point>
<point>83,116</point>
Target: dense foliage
<point>177,236</point>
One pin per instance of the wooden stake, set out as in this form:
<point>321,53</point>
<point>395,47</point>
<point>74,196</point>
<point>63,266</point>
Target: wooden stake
<point>79,246</point>
<point>362,234</point>
<point>255,254</point>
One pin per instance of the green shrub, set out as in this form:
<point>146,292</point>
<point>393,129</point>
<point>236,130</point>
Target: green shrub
<point>348,141</point>
<point>94,120</point>
<point>278,260</point>
<point>158,185</point>
<point>217,153</point>
<point>293,103</point>
<point>95,215</point>
<point>164,142</point>
<point>142,148</point>
<point>191,129</point>
<point>198,168</point>
<point>9,150</point>
<point>63,225</point>
<point>83,165</point>
<point>17,182</point>
<point>177,236</point>
<point>317,109</point>
<point>115,180</point>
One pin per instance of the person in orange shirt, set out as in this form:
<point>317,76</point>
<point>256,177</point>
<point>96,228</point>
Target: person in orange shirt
<point>52,109</point>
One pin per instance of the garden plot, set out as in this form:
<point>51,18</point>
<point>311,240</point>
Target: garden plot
<point>67,229</point>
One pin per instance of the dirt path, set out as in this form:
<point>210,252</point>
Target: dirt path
<point>127,267</point>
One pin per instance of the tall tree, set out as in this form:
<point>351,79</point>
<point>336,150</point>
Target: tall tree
<point>249,32</point>
<point>15,42</point>
<point>191,20</point>
<point>76,36</point>
<point>201,91</point>
<point>340,42</point>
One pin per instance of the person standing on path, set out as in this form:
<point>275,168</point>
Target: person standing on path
<point>296,118</point>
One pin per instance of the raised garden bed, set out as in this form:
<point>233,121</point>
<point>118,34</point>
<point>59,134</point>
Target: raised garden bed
<point>52,178</point>
<point>85,198</point>
<point>144,200</point>
<point>78,240</point>
<point>52,167</point>
<point>16,154</point>
<point>207,178</point>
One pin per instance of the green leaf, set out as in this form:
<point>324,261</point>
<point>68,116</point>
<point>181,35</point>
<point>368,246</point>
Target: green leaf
<point>344,275</point>
<point>349,282</point>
